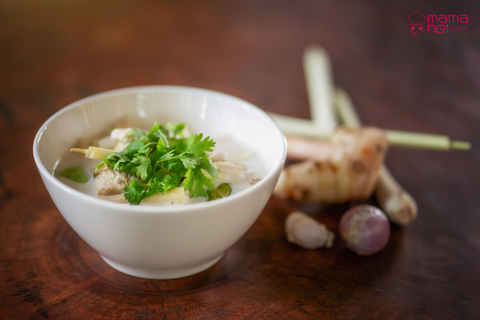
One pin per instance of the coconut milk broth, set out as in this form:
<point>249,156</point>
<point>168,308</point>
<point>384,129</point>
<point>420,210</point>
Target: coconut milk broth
<point>235,151</point>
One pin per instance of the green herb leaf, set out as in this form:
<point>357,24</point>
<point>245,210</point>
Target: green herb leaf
<point>198,147</point>
<point>136,133</point>
<point>176,128</point>
<point>162,160</point>
<point>142,167</point>
<point>75,174</point>
<point>135,192</point>
<point>134,147</point>
<point>197,182</point>
<point>189,161</point>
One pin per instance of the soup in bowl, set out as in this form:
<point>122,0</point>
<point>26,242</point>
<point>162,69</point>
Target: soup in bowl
<point>162,239</point>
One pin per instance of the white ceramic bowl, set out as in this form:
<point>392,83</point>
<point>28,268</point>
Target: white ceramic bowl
<point>161,242</point>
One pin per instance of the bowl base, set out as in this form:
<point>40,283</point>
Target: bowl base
<point>162,273</point>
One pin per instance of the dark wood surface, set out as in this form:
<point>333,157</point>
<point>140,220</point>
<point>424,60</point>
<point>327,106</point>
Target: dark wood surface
<point>55,52</point>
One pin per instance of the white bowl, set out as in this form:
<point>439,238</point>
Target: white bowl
<point>161,242</point>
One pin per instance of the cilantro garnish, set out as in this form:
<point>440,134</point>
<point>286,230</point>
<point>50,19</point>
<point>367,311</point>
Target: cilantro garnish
<point>75,174</point>
<point>163,159</point>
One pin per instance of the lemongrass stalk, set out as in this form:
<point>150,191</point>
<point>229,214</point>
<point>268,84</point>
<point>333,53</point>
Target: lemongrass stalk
<point>424,141</point>
<point>306,128</point>
<point>318,77</point>
<point>345,110</point>
<point>297,126</point>
<point>93,152</point>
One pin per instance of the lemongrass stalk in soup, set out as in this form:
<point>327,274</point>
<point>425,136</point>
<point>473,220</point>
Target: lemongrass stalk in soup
<point>164,165</point>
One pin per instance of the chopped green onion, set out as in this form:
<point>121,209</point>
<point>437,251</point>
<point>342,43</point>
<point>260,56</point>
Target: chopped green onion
<point>223,190</point>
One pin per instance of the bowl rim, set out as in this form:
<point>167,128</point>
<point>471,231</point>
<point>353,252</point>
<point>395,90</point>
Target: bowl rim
<point>123,207</point>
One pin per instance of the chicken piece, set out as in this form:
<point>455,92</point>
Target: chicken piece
<point>347,169</point>
<point>230,167</point>
<point>217,156</point>
<point>105,142</point>
<point>109,182</point>
<point>121,138</point>
<point>229,172</point>
<point>121,134</point>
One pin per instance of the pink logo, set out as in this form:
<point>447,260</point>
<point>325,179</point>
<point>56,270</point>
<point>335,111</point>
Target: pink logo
<point>416,23</point>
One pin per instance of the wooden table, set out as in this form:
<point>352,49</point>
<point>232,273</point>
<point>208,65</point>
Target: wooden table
<point>55,52</point>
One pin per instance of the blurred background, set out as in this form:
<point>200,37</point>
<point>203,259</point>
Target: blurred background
<point>54,52</point>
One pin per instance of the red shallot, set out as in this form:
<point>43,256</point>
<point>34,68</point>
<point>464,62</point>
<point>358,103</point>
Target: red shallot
<point>365,229</point>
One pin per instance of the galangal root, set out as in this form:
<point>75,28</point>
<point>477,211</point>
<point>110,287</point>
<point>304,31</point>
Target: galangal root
<point>398,204</point>
<point>343,169</point>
